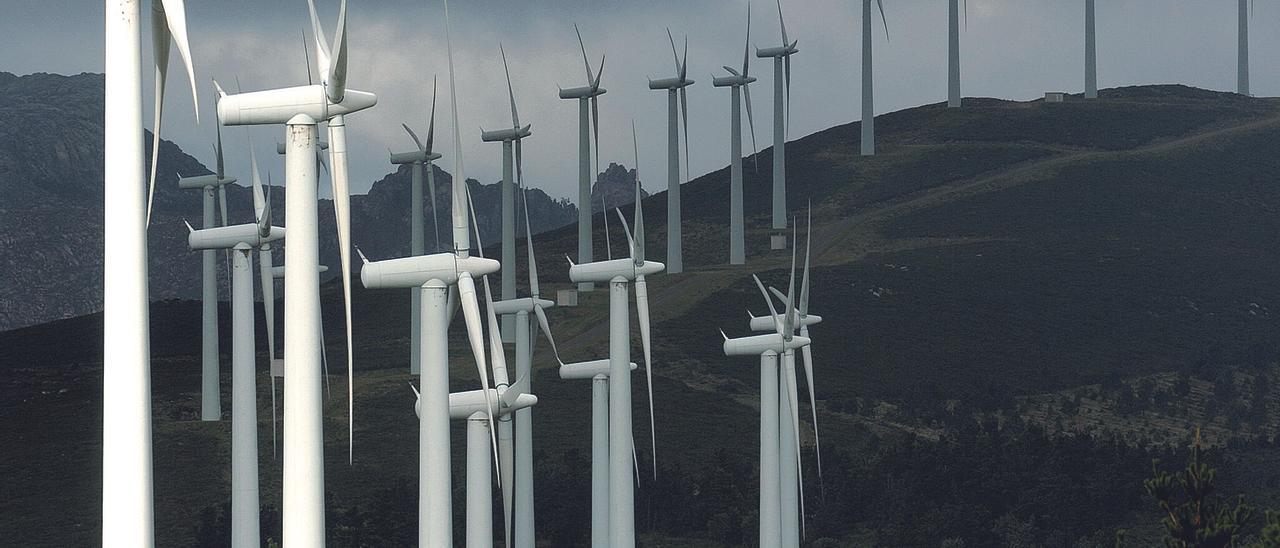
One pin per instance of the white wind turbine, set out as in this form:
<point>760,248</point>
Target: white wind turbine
<point>210,374</point>
<point>589,93</point>
<point>775,521</point>
<point>419,160</point>
<point>868,75</point>
<point>1090,52</point>
<point>435,274</point>
<point>128,512</point>
<point>520,469</point>
<point>242,240</point>
<point>618,274</point>
<point>953,50</point>
<point>673,86</point>
<point>597,371</point>
<point>781,56</point>
<point>300,109</point>
<point>738,83</point>
<point>510,139</point>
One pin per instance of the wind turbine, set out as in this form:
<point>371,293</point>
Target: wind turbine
<point>868,87</point>
<point>300,109</point>
<point>510,139</point>
<point>419,159</point>
<point>953,50</point>
<point>586,94</point>
<point>210,397</point>
<point>1243,12</point>
<point>436,274</point>
<point>128,512</point>
<point>597,371</point>
<point>781,74</point>
<point>674,85</point>
<point>242,240</point>
<point>520,471</point>
<point>618,273</point>
<point>738,82</point>
<point>774,518</point>
<point>1090,52</point>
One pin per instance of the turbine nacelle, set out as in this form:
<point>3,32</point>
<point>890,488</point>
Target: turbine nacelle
<point>228,237</point>
<point>765,323</point>
<point>204,181</point>
<point>408,272</point>
<point>279,106</point>
<point>417,156</point>
<point>777,51</point>
<point>508,134</point>
<point>606,271</point>
<point>464,404</point>
<point>583,92</point>
<point>732,80</point>
<point>587,370</point>
<point>673,83</point>
<point>755,345</point>
<point>526,304</point>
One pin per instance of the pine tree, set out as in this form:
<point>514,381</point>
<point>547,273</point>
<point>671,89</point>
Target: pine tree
<point>1194,516</point>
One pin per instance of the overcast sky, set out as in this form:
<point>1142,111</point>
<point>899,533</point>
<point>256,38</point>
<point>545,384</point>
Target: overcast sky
<point>1014,49</point>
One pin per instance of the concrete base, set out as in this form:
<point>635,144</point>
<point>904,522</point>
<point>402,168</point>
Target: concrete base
<point>778,241</point>
<point>566,297</point>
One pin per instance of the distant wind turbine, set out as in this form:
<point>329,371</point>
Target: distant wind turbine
<point>953,50</point>
<point>510,139</point>
<point>1243,12</point>
<point>242,240</point>
<point>1090,52</point>
<point>673,86</point>
<point>419,160</point>
<point>589,93</point>
<point>781,118</point>
<point>738,84</point>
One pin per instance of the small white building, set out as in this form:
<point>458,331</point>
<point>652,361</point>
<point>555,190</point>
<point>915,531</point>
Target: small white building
<point>1055,96</point>
<point>567,297</point>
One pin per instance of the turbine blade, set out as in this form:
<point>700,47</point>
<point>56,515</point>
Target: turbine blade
<point>306,57</point>
<point>807,353</point>
<point>175,15</point>
<point>336,85</point>
<point>322,49</point>
<point>804,284</point>
<point>786,66</point>
<point>789,376</point>
<point>268,300</point>
<point>595,126</point>
<point>684,114</point>
<point>160,46</point>
<point>608,246</point>
<point>746,46</point>
<point>528,238</point>
<point>777,322</point>
<point>459,210</point>
<point>631,243</point>
<point>880,4</point>
<point>789,319</point>
<point>342,214</point>
<point>217,129</point>
<point>506,467</point>
<point>497,356</point>
<point>684,58</point>
<point>431,126</point>
<point>546,330</point>
<point>583,47</point>
<point>639,207</point>
<point>595,84</point>
<point>642,315</point>
<point>782,23</point>
<point>435,213</point>
<point>755,151</point>
<point>259,199</point>
<point>414,136</point>
<point>515,116</point>
<point>674,55</point>
<point>475,335</point>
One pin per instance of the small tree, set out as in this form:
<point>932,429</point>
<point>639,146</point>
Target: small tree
<point>1194,515</point>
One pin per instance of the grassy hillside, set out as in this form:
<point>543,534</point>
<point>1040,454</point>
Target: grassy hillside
<point>994,272</point>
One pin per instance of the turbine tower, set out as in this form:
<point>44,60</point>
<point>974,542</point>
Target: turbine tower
<point>419,159</point>
<point>618,274</point>
<point>586,94</point>
<point>1243,12</point>
<point>1090,52</point>
<point>781,117</point>
<point>510,139</point>
<point>868,87</point>
<point>677,84</point>
<point>128,512</point>
<point>242,240</point>
<point>953,50</point>
<point>738,83</point>
<point>210,374</point>
<point>300,109</point>
<point>597,371</point>
<point>277,364</point>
